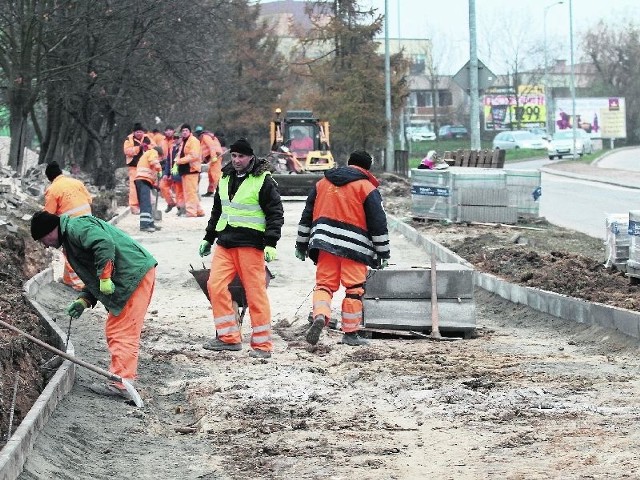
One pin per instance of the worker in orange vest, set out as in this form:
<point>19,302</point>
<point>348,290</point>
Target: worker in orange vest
<point>68,196</point>
<point>167,184</point>
<point>211,155</point>
<point>343,229</point>
<point>188,165</point>
<point>135,145</point>
<point>147,174</point>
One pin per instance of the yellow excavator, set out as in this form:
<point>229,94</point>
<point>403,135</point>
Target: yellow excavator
<point>300,150</point>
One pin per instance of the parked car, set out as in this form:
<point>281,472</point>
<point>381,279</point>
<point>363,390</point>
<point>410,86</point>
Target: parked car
<point>420,134</point>
<point>562,144</point>
<point>453,131</point>
<point>540,133</point>
<point>518,139</point>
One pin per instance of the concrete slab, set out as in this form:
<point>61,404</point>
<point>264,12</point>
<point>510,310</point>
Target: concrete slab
<point>453,281</point>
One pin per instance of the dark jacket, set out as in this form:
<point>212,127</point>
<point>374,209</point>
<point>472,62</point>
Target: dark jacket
<point>270,203</point>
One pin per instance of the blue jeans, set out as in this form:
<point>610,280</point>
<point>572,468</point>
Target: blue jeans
<point>143,188</point>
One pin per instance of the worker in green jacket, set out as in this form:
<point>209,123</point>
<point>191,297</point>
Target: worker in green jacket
<point>117,271</point>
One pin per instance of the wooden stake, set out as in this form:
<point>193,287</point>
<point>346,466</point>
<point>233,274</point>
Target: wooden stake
<point>435,319</point>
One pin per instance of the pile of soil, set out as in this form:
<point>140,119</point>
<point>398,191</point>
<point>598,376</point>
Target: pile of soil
<point>20,360</point>
<point>533,253</point>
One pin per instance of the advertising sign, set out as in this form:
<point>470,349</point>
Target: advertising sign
<point>600,117</point>
<point>504,110</point>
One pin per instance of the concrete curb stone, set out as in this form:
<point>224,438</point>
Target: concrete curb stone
<point>561,306</point>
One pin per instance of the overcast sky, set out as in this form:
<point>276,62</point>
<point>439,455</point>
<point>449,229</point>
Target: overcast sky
<point>428,18</point>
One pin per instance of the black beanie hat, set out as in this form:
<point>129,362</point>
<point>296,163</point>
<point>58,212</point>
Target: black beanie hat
<point>138,126</point>
<point>241,146</point>
<point>360,158</point>
<point>43,223</point>
<point>52,171</point>
<point>186,125</point>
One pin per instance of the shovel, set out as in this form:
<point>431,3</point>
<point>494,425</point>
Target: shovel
<point>157,214</point>
<point>135,396</point>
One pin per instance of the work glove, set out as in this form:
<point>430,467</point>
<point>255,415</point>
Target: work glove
<point>270,254</point>
<point>106,286</point>
<point>174,169</point>
<point>205,248</point>
<point>383,263</point>
<point>301,254</point>
<point>75,309</point>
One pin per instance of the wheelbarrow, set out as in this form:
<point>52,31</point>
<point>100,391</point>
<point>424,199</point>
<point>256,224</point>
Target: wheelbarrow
<point>238,297</point>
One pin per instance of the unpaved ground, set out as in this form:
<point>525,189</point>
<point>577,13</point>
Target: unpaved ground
<point>531,397</point>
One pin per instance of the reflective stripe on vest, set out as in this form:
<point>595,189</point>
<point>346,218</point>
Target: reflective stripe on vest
<point>84,209</point>
<point>244,210</point>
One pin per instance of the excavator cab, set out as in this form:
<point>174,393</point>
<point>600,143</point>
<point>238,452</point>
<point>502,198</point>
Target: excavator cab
<point>305,139</point>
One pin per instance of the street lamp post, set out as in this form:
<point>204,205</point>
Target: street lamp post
<point>545,79</point>
<point>574,122</point>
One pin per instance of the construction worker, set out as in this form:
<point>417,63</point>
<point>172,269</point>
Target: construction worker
<point>135,145</point>
<point>117,271</point>
<point>147,174</point>
<point>246,220</point>
<point>343,229</point>
<point>167,187</point>
<point>188,164</point>
<point>301,144</point>
<point>212,152</point>
<point>69,196</point>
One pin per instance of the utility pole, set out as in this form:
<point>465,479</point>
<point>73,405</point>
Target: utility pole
<point>401,126</point>
<point>574,121</point>
<point>474,110</point>
<point>388,160</point>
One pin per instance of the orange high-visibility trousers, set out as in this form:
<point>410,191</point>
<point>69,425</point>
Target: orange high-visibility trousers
<point>71,278</point>
<point>179,193</point>
<point>330,273</point>
<point>123,331</point>
<point>133,194</point>
<point>191,199</point>
<point>248,263</point>
<point>167,189</point>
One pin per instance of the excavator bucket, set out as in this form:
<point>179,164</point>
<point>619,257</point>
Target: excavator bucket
<point>296,184</point>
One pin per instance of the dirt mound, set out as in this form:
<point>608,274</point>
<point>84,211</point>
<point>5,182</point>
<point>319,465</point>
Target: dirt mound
<point>20,361</point>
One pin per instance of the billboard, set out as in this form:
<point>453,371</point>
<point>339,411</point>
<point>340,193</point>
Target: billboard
<point>504,110</point>
<point>602,117</point>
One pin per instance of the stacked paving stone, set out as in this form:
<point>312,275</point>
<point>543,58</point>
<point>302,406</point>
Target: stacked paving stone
<point>617,240</point>
<point>462,194</point>
<point>633,264</point>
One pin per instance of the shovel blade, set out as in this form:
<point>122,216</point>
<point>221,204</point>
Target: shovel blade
<point>133,393</point>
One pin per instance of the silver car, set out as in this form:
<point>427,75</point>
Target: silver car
<point>518,139</point>
<point>561,145</point>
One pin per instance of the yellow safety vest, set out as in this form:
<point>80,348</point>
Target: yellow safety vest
<point>244,210</point>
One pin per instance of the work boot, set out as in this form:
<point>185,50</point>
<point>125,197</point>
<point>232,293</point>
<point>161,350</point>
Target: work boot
<point>169,208</point>
<point>313,334</point>
<point>354,340</point>
<point>148,228</point>
<point>208,194</point>
<point>181,211</point>
<point>109,390</point>
<point>259,354</point>
<point>218,345</point>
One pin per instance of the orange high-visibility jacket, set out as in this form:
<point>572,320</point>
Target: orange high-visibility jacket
<point>211,148</point>
<point>344,216</point>
<point>189,159</point>
<point>67,195</point>
<point>149,166</point>
<point>133,148</point>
